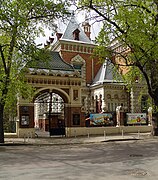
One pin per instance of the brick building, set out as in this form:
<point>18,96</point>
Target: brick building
<point>72,84</point>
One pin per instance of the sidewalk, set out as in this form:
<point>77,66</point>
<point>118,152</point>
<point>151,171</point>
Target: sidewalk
<point>75,140</point>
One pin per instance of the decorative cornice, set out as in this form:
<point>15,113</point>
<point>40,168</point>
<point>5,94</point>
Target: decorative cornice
<point>36,81</point>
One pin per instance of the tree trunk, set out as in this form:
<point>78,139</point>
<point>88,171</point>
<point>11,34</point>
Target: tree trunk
<point>1,123</point>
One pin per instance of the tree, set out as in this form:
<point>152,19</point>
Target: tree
<point>134,24</point>
<point>19,27</point>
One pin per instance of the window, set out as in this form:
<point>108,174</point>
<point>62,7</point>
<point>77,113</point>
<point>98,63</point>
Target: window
<point>78,67</point>
<point>25,109</point>
<point>75,94</point>
<point>76,34</point>
<point>112,107</point>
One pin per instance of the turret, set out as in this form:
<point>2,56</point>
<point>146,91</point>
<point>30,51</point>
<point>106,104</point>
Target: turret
<point>87,27</point>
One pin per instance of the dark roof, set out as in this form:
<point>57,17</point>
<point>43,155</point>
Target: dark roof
<point>106,74</point>
<point>71,27</point>
<point>53,62</point>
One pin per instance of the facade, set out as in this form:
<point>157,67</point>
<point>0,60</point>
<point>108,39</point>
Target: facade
<point>71,84</point>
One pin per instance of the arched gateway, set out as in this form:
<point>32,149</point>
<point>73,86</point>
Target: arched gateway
<point>57,100</point>
<point>65,75</point>
<point>49,111</point>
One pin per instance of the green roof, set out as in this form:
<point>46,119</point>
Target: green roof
<point>53,62</point>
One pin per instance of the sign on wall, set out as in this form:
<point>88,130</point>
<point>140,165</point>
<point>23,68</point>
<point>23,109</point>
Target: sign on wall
<point>25,120</point>
<point>105,119</point>
<point>136,118</point>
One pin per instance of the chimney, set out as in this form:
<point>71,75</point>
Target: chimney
<point>87,28</point>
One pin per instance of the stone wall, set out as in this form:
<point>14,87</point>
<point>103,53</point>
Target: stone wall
<point>84,131</point>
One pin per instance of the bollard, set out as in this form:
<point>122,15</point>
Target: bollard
<point>138,134</point>
<point>24,138</point>
<point>122,134</point>
<point>28,136</point>
<point>75,133</point>
<point>104,135</point>
<point>88,134</point>
<point>31,135</point>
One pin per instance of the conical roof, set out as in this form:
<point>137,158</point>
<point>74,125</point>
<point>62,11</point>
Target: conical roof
<point>106,74</point>
<point>71,27</point>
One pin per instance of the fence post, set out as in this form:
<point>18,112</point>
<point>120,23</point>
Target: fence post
<point>75,133</point>
<point>138,134</point>
<point>122,133</point>
<point>104,135</point>
<point>24,138</point>
<point>88,134</point>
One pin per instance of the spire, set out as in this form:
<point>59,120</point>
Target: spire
<point>74,31</point>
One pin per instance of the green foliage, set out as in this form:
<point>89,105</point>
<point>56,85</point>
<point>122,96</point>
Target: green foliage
<point>19,27</point>
<point>21,22</point>
<point>132,24</point>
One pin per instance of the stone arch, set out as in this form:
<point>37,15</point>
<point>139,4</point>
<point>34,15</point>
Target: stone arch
<point>50,109</point>
<point>61,92</point>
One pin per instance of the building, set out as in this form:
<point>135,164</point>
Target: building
<point>70,84</point>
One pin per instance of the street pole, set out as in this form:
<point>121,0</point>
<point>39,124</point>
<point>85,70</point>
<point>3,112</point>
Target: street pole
<point>50,110</point>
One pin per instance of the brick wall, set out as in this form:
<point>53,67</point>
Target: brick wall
<point>67,56</point>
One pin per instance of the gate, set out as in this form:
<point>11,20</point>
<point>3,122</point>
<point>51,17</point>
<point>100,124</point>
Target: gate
<point>51,108</point>
<point>57,131</point>
<point>56,124</point>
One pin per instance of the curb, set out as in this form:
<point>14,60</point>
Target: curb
<point>69,143</point>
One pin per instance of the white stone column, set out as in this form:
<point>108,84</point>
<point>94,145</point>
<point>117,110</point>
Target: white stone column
<point>132,100</point>
<point>118,117</point>
<point>94,105</point>
<point>103,105</point>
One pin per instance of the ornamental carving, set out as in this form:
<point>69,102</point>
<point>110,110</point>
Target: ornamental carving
<point>78,59</point>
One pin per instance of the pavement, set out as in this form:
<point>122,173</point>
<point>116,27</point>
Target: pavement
<point>59,140</point>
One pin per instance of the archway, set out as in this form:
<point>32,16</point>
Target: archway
<point>49,111</point>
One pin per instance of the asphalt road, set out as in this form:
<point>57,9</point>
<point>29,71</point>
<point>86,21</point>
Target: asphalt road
<point>127,160</point>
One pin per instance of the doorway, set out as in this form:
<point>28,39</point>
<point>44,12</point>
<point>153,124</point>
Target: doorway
<point>49,113</point>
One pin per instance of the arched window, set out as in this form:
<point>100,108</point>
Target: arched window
<point>76,34</point>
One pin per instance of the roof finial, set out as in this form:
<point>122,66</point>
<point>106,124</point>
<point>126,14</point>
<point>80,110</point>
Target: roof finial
<point>86,18</point>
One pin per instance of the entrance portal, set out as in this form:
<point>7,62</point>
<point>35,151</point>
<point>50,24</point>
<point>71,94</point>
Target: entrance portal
<point>49,113</point>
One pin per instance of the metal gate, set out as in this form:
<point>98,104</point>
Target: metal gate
<point>51,107</point>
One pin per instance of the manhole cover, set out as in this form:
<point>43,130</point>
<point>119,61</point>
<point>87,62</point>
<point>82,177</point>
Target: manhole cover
<point>136,172</point>
<point>135,155</point>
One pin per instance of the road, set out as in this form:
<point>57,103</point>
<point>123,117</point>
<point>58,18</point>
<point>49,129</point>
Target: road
<point>127,160</point>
